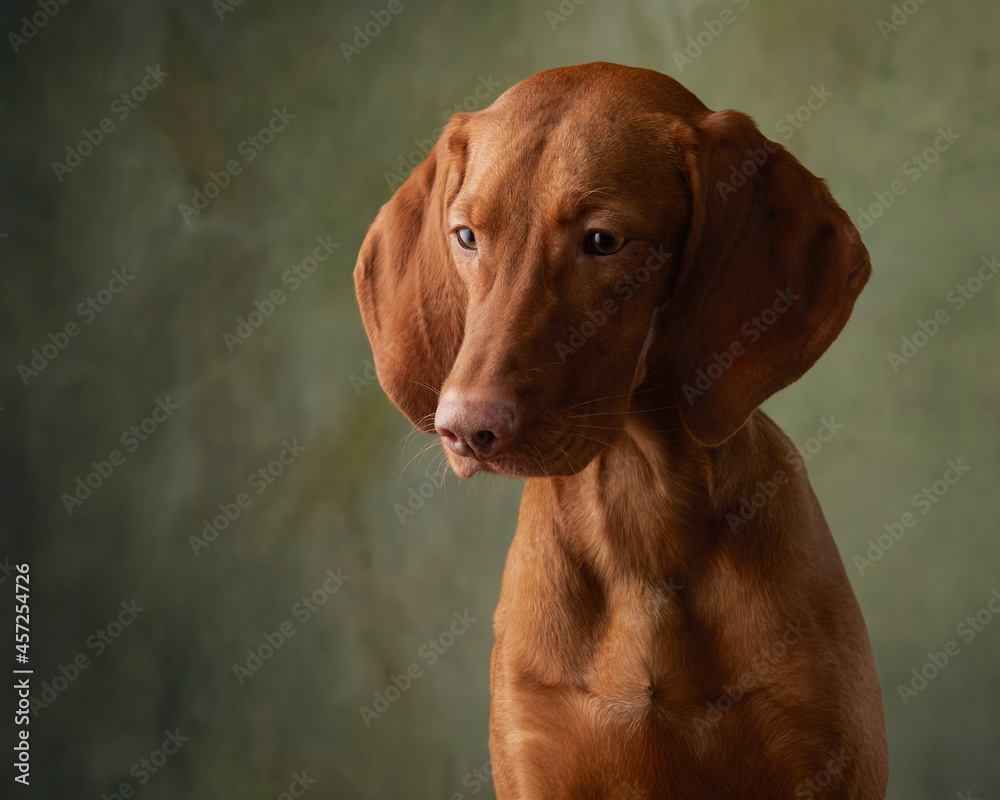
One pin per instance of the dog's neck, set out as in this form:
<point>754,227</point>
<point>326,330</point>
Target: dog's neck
<point>614,553</point>
<point>641,508</point>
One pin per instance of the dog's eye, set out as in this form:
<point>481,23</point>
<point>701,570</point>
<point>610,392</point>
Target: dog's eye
<point>602,243</point>
<point>466,238</point>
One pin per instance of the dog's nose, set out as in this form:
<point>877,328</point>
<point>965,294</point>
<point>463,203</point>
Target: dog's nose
<point>477,426</point>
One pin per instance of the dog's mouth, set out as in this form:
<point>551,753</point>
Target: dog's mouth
<point>506,467</point>
<point>561,453</point>
<point>510,464</point>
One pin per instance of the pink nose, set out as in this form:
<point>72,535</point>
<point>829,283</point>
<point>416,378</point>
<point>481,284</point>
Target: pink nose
<point>475,425</point>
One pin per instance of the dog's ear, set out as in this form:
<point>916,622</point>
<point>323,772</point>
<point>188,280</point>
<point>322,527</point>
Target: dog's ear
<point>770,272</point>
<point>412,301</point>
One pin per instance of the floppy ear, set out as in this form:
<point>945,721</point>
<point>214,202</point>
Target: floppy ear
<point>771,269</point>
<point>412,301</point>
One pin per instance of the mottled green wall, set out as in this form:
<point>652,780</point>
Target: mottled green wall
<point>301,376</point>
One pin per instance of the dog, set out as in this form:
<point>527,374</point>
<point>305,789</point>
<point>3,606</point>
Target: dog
<point>592,284</point>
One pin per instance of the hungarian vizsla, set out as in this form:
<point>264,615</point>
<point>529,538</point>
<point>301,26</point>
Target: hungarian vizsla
<point>592,284</point>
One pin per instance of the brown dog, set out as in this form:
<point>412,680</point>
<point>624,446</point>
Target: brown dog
<point>592,284</point>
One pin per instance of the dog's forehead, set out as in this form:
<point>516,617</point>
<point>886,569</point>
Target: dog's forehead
<point>600,132</point>
<point>604,85</point>
<point>548,155</point>
<point>589,118</point>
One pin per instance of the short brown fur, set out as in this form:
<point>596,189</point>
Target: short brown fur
<point>656,635</point>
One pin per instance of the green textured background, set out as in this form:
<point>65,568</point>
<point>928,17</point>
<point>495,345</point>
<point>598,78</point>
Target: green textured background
<point>302,375</point>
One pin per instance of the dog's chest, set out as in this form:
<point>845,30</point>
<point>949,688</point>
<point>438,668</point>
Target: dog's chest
<point>629,649</point>
<point>608,682</point>
<point>632,725</point>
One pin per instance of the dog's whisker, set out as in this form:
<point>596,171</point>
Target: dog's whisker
<point>444,475</point>
<point>566,453</point>
<point>538,458</point>
<point>419,453</point>
<point>597,400</point>
<point>593,439</point>
<point>415,429</point>
<point>436,391</point>
<point>542,367</point>
<point>597,427</point>
<point>610,413</point>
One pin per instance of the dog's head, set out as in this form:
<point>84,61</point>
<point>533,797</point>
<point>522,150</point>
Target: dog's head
<point>595,236</point>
